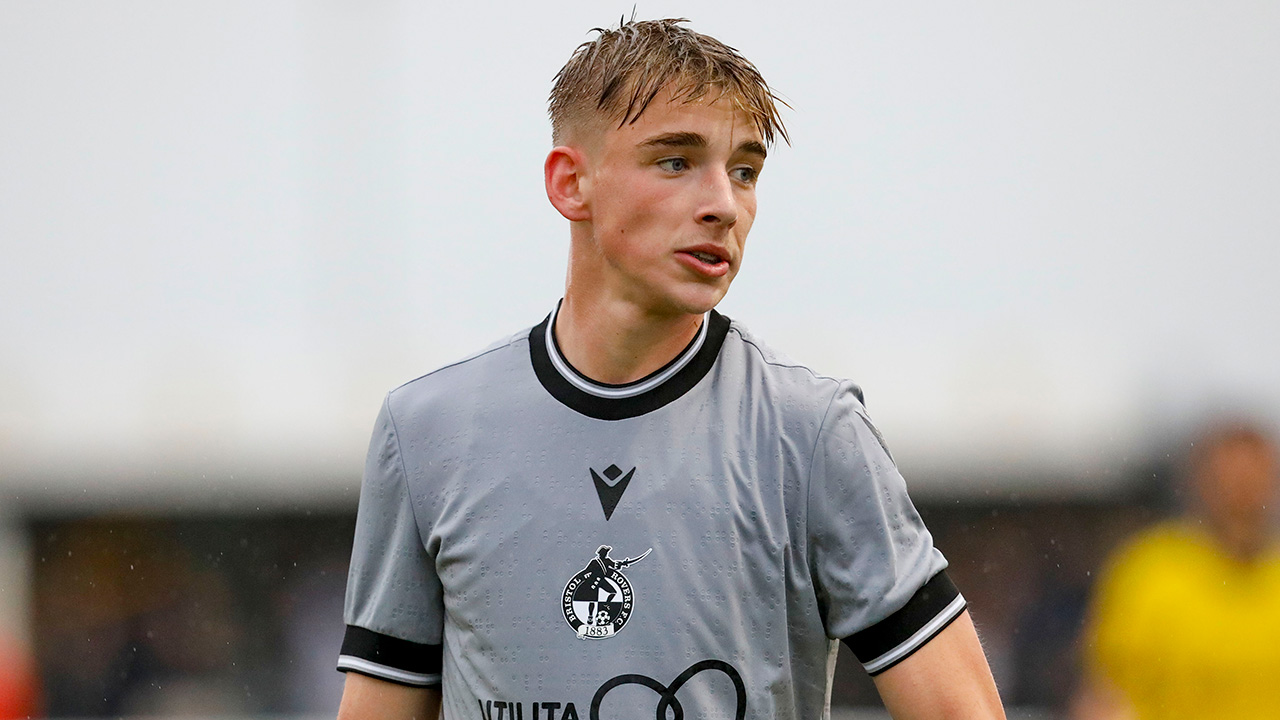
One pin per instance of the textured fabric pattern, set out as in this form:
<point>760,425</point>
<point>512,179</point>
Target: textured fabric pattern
<point>703,555</point>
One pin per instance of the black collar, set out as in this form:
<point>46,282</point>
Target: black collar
<point>619,402</point>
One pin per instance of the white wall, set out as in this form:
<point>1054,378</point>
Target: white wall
<point>1042,237</point>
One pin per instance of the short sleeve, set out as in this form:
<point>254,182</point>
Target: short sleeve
<point>881,583</point>
<point>1128,616</point>
<point>394,608</point>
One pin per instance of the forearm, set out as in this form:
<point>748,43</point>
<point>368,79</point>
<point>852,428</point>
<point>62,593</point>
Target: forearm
<point>946,678</point>
<point>366,698</point>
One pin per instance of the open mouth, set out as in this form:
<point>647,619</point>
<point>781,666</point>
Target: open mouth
<point>706,257</point>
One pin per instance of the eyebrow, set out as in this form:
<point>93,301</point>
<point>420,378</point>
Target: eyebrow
<point>679,139</point>
<point>752,147</point>
<point>692,139</point>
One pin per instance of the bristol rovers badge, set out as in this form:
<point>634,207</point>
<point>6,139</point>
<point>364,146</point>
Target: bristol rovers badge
<point>597,601</point>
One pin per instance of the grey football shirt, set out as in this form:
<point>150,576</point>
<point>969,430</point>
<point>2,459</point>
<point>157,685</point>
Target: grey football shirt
<point>541,546</point>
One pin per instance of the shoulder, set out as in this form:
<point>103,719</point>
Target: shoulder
<point>1166,543</point>
<point>491,367</point>
<point>1153,564</point>
<point>783,379</point>
<point>833,407</point>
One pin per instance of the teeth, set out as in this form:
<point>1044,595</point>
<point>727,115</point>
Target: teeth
<point>705,257</point>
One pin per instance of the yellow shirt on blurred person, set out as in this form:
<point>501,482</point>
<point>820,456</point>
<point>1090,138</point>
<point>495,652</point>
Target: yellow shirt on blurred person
<point>1182,629</point>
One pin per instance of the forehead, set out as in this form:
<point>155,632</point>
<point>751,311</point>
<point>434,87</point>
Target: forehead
<point>718,117</point>
<point>1239,455</point>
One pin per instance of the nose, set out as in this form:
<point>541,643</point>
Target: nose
<point>719,206</point>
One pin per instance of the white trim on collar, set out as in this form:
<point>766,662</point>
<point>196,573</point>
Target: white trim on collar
<point>623,391</point>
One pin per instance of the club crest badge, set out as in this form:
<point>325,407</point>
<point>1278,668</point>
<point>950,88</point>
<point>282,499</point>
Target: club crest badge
<point>597,602</point>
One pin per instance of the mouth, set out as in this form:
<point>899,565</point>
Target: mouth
<point>706,260</point>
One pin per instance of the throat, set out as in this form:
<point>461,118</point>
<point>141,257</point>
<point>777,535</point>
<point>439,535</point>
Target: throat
<point>615,351</point>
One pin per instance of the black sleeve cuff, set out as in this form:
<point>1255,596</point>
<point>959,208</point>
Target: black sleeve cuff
<point>390,658</point>
<point>893,639</point>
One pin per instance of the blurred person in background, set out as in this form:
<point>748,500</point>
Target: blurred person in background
<point>19,689</point>
<point>1185,621</point>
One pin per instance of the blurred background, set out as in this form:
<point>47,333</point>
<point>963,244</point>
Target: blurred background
<point>1042,237</point>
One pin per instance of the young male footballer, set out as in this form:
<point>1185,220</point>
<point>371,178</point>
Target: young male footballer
<point>635,509</point>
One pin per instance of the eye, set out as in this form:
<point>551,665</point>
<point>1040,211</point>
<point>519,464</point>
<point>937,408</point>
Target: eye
<point>675,164</point>
<point>746,174</point>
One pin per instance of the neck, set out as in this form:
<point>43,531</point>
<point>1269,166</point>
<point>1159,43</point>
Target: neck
<point>615,342</point>
<point>1243,540</point>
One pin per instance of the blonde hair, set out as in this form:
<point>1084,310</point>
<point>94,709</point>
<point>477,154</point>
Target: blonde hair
<point>619,73</point>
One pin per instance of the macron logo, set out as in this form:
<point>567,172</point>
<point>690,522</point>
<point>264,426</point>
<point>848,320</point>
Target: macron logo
<point>610,487</point>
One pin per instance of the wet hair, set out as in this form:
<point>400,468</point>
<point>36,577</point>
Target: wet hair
<point>618,74</point>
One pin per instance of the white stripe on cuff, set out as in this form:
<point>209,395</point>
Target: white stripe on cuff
<point>350,662</point>
<point>910,645</point>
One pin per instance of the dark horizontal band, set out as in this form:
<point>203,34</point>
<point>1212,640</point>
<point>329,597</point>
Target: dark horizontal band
<point>390,658</point>
<point>893,639</point>
<point>622,408</point>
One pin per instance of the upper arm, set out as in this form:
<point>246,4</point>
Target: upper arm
<point>394,609</point>
<point>879,580</point>
<point>367,698</point>
<point>947,677</point>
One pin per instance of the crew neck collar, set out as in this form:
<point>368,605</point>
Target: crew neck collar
<point>604,401</point>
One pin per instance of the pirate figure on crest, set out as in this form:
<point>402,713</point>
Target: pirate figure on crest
<point>597,601</point>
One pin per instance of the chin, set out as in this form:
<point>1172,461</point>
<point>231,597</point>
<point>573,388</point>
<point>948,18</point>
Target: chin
<point>699,303</point>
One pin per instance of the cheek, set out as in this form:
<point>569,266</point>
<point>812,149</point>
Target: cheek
<point>1245,481</point>
<point>632,202</point>
<point>746,218</point>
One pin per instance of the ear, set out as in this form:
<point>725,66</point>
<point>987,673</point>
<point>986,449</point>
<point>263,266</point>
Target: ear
<point>565,174</point>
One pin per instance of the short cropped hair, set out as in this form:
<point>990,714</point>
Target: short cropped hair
<point>618,74</point>
<point>1228,432</point>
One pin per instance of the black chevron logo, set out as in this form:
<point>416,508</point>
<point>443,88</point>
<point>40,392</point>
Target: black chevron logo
<point>610,487</point>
